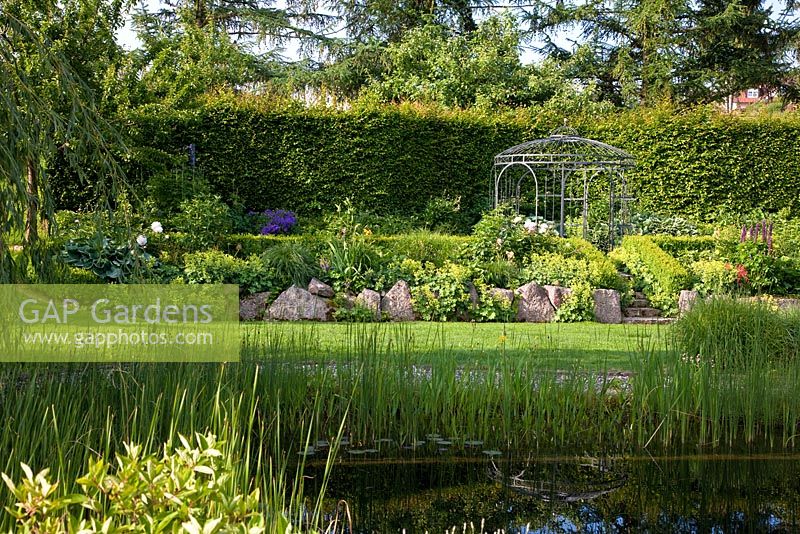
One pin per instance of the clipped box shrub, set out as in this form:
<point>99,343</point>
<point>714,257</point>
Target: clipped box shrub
<point>659,275</point>
<point>424,246</point>
<point>677,246</point>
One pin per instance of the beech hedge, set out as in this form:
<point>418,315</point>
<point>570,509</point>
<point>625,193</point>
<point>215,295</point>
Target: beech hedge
<point>394,160</point>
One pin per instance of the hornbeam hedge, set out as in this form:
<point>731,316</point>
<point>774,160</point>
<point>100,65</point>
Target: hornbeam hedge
<point>393,160</point>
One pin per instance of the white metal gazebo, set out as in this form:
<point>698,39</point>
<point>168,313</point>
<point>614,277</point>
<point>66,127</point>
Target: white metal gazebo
<point>561,177</point>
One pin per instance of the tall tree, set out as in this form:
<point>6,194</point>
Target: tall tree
<point>680,50</point>
<point>246,22</point>
<point>388,21</point>
<point>482,69</point>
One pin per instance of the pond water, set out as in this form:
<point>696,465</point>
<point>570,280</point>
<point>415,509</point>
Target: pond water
<point>467,488</point>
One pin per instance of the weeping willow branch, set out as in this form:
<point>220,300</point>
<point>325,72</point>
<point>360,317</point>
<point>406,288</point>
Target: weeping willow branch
<point>46,107</point>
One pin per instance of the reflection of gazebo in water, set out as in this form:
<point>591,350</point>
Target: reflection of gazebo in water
<point>565,480</point>
<point>569,180</point>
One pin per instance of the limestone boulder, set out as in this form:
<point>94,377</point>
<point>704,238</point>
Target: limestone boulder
<point>397,302</point>
<point>370,299</point>
<point>321,289</point>
<point>253,307</point>
<point>607,308</point>
<point>499,293</point>
<point>557,295</point>
<point>686,300</point>
<point>534,304</point>
<point>297,304</point>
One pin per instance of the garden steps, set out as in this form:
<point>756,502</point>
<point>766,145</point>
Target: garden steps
<point>648,320</point>
<point>641,312</point>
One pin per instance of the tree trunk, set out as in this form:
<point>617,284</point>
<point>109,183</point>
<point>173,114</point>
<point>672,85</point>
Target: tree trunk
<point>32,216</point>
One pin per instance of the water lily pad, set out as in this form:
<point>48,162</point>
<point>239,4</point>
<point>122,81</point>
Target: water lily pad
<point>321,444</point>
<point>473,443</point>
<point>356,451</point>
<point>371,451</point>
<point>492,453</point>
<point>308,452</point>
<point>444,442</point>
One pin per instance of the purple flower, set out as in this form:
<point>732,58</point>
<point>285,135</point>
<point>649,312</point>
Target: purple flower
<point>277,222</point>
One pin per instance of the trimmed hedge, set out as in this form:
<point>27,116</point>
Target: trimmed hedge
<point>679,245</point>
<point>421,246</point>
<point>394,160</point>
<point>661,275</point>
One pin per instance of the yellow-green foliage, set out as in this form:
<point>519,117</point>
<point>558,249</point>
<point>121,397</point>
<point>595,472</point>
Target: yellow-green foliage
<point>602,271</point>
<point>189,489</point>
<point>439,293</point>
<point>215,267</point>
<point>660,275</point>
<point>713,277</point>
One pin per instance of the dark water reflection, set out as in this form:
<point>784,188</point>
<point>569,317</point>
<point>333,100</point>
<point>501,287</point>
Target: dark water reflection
<point>527,493</point>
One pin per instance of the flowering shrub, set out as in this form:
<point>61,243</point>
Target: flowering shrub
<point>502,234</point>
<point>275,222</point>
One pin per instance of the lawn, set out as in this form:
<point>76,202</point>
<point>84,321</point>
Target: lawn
<point>556,345</point>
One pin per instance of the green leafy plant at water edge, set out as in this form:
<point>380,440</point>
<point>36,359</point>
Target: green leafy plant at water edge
<point>188,488</point>
<point>733,333</point>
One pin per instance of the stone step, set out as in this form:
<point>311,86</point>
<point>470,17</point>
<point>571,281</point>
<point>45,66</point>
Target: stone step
<point>641,312</point>
<point>639,295</point>
<point>648,320</point>
<point>639,303</point>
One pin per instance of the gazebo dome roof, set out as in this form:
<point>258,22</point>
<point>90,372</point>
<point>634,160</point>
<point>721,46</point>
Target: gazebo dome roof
<point>565,147</point>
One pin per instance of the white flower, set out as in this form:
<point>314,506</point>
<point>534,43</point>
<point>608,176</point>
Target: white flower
<point>499,242</point>
<point>530,226</point>
<point>510,255</point>
<point>142,240</point>
<point>543,228</point>
<point>517,220</point>
<point>156,227</point>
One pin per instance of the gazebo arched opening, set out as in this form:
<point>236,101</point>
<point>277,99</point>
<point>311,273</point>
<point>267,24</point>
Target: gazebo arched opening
<point>578,184</point>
